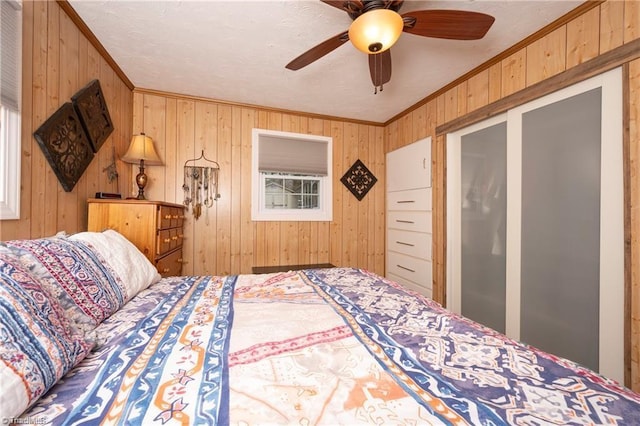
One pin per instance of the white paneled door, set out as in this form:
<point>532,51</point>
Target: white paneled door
<point>535,230</point>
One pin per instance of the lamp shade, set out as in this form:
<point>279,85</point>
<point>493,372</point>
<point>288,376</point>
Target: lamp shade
<point>376,30</point>
<point>141,148</point>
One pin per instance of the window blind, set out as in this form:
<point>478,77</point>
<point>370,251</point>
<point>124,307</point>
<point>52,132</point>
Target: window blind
<point>284,155</point>
<point>10,54</point>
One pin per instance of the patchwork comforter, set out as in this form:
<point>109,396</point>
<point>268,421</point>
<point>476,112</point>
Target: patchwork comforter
<point>326,346</point>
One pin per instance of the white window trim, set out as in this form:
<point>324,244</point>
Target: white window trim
<point>10,164</point>
<point>259,213</point>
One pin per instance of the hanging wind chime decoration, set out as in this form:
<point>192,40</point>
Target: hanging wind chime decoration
<point>200,184</point>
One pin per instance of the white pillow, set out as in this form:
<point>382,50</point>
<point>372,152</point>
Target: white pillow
<point>135,270</point>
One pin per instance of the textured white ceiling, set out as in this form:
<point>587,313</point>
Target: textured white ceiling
<point>237,51</point>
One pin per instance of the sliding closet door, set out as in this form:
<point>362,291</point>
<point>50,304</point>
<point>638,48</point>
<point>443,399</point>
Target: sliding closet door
<point>563,278</point>
<point>482,206</point>
<point>566,230</point>
<point>560,240</point>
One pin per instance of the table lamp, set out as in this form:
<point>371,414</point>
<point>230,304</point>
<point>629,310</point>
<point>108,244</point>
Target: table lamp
<point>141,150</point>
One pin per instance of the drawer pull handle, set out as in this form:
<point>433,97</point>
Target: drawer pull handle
<point>405,244</point>
<point>176,216</point>
<point>405,268</point>
<point>168,217</point>
<point>180,260</point>
<point>174,237</point>
<point>404,221</point>
<point>165,270</point>
<point>167,240</point>
<point>406,201</point>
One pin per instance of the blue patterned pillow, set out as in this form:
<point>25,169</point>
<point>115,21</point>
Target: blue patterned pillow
<point>37,343</point>
<point>86,286</point>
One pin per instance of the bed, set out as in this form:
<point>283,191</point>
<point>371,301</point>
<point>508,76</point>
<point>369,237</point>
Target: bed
<point>318,346</point>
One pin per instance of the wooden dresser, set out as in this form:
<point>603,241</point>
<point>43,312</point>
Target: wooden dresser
<point>155,227</point>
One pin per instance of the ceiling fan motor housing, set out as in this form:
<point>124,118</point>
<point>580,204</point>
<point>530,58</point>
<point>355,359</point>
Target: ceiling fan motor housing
<point>357,8</point>
<point>368,5</point>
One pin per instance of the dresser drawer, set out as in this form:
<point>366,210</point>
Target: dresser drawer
<point>176,238</point>
<point>164,217</point>
<point>410,268</point>
<point>170,217</point>
<point>168,240</point>
<point>416,244</point>
<point>413,199</point>
<point>177,218</point>
<point>171,264</point>
<point>164,242</point>
<point>416,221</point>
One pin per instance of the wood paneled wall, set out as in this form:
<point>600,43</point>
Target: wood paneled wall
<point>596,31</point>
<point>58,60</point>
<point>224,240</point>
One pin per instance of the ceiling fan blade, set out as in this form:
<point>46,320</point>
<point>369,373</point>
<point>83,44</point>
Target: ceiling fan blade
<point>380,68</point>
<point>318,51</point>
<point>449,24</point>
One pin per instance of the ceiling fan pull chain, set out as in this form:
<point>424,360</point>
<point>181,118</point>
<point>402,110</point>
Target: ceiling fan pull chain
<point>376,74</point>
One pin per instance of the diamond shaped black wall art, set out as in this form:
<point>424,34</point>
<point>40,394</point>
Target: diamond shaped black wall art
<point>359,180</point>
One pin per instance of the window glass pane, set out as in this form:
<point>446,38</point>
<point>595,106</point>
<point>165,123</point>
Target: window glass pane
<point>274,201</point>
<point>291,192</point>
<point>292,186</point>
<point>310,187</point>
<point>273,186</point>
<point>311,201</point>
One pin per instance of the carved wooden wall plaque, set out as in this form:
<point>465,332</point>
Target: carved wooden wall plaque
<point>359,180</point>
<point>65,145</point>
<point>92,109</point>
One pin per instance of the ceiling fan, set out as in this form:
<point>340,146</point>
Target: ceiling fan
<point>377,25</point>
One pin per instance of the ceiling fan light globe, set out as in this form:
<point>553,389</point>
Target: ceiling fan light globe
<point>376,31</point>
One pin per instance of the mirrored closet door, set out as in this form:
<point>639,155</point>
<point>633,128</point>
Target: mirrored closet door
<point>535,230</point>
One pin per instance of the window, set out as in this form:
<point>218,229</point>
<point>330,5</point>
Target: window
<point>291,177</point>
<point>10,88</point>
